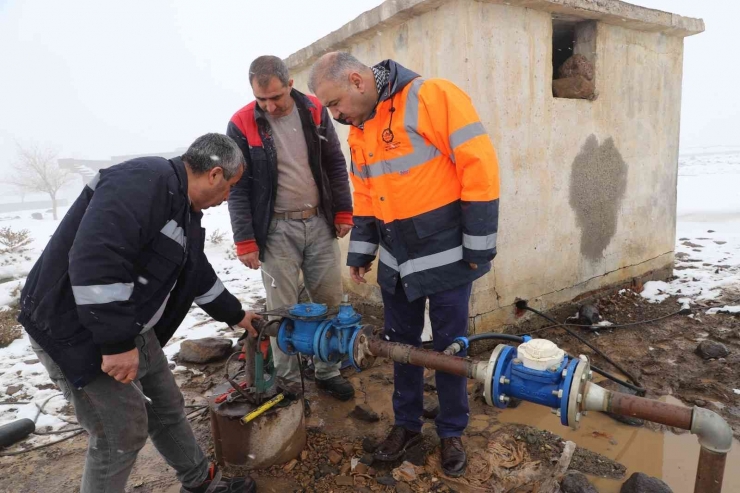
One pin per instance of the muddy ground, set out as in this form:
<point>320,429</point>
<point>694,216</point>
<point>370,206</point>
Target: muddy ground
<point>661,355</point>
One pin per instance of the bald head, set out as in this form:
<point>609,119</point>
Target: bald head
<point>335,67</point>
<point>345,86</point>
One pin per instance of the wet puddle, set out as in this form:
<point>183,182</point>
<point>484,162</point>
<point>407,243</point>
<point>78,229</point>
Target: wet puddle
<point>668,456</point>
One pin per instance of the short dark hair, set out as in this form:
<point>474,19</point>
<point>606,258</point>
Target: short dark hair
<point>265,68</point>
<point>214,150</point>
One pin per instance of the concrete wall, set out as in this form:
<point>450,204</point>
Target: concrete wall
<point>588,188</point>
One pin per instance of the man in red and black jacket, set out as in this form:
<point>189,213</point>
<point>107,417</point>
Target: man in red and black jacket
<point>292,202</point>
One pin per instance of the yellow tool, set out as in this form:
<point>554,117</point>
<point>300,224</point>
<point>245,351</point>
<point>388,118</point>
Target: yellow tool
<point>264,407</point>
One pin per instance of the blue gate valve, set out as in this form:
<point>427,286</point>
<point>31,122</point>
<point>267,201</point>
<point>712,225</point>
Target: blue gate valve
<point>309,330</point>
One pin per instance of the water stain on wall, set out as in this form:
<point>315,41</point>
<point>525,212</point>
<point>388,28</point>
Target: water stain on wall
<point>598,182</point>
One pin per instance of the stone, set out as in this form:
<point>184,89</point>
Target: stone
<point>326,470</point>
<point>345,468</point>
<point>37,216</point>
<point>290,465</point>
<point>431,407</point>
<point>304,455</point>
<point>344,481</point>
<point>367,459</point>
<point>361,468</point>
<point>369,445</point>
<point>577,87</point>
<point>348,449</point>
<point>712,350</point>
<point>205,350</point>
<point>404,488</point>
<point>405,472</point>
<point>334,457</point>
<point>430,383</point>
<point>577,482</point>
<point>733,411</point>
<point>386,480</point>
<point>13,389</point>
<point>363,412</point>
<point>642,483</point>
<point>576,65</point>
<point>588,315</point>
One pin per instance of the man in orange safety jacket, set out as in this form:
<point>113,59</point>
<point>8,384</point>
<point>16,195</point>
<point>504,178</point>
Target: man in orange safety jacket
<point>426,198</point>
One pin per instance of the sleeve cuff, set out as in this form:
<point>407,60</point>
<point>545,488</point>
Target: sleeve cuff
<point>246,246</point>
<point>343,218</point>
<point>235,319</point>
<point>118,348</point>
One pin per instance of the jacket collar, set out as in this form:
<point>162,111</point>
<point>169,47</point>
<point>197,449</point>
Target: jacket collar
<point>398,78</point>
<point>182,176</point>
<point>301,100</point>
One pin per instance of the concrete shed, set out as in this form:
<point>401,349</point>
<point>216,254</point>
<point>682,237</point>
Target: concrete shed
<point>588,186</point>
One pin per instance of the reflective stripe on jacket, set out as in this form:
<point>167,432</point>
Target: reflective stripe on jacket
<point>426,187</point>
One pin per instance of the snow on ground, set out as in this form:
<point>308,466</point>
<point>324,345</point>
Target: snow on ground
<point>707,262</point>
<point>22,374</point>
<point>707,232</point>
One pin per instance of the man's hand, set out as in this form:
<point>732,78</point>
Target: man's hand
<point>472,265</point>
<point>342,229</point>
<point>246,323</point>
<point>123,366</point>
<point>358,273</point>
<point>251,260</point>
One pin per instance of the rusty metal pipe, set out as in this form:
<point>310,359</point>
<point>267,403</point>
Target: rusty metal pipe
<point>713,432</point>
<point>655,411</point>
<point>710,471</point>
<point>403,353</point>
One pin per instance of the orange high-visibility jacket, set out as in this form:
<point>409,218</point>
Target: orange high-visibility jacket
<point>426,187</point>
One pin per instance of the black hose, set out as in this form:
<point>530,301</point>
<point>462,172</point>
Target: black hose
<point>607,327</point>
<point>594,348</point>
<point>306,404</point>
<point>494,335</point>
<point>640,391</point>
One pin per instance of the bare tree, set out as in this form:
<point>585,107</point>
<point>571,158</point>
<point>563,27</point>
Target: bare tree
<point>37,171</point>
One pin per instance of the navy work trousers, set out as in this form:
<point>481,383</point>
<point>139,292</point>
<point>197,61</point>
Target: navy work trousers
<point>404,323</point>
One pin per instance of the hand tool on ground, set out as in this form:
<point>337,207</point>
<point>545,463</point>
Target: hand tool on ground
<point>264,407</point>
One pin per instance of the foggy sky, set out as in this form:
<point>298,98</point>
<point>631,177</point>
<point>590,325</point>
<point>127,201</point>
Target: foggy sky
<point>96,78</point>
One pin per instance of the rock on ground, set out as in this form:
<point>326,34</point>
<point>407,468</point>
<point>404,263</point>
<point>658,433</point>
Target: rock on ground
<point>642,483</point>
<point>363,412</point>
<point>431,407</point>
<point>205,350</point>
<point>712,350</point>
<point>577,482</point>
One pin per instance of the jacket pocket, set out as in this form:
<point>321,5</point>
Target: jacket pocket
<point>166,258</point>
<point>433,222</point>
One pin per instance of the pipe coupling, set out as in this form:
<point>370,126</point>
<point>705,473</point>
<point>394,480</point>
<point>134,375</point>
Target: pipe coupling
<point>712,430</point>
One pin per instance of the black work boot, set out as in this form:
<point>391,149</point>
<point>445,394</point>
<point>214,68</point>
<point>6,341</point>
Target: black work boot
<point>338,387</point>
<point>395,444</point>
<point>215,483</point>
<point>454,459</point>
